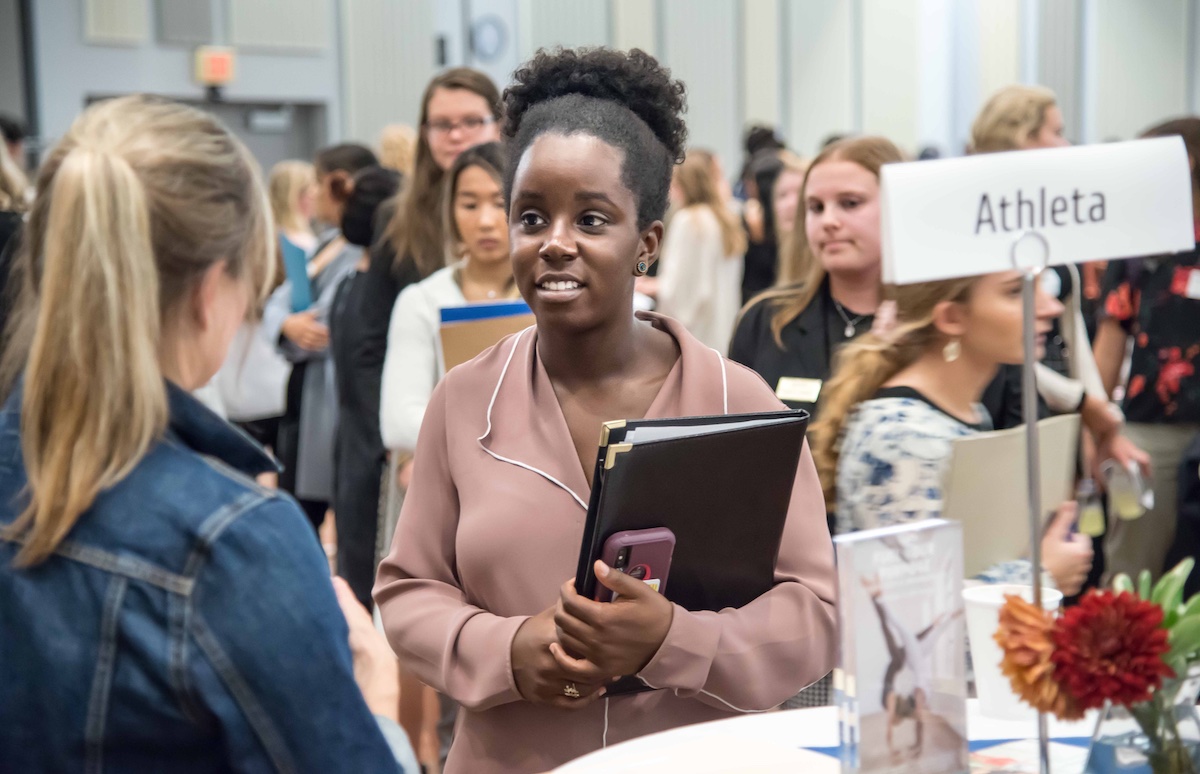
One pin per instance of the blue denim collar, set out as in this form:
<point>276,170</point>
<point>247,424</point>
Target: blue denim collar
<point>195,426</point>
<point>198,428</point>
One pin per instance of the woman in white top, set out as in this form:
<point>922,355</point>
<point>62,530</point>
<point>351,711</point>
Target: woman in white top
<point>701,275</point>
<point>478,231</point>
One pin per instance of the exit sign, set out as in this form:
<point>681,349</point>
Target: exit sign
<point>214,65</point>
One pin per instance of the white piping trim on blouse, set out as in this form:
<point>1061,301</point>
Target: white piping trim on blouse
<point>491,403</point>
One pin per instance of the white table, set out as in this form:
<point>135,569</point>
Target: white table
<point>765,741</point>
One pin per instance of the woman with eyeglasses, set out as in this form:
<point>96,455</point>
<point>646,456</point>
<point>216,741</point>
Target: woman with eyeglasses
<point>460,108</point>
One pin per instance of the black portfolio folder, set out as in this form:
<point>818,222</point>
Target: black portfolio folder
<point>722,484</point>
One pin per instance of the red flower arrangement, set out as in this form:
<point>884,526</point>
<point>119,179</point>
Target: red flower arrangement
<point>1114,646</point>
<point>1110,647</point>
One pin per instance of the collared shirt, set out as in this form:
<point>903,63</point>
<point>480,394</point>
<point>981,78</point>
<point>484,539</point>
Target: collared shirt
<point>492,526</point>
<point>801,366</point>
<point>187,623</point>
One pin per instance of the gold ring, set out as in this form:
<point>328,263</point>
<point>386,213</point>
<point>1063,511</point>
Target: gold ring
<point>570,691</point>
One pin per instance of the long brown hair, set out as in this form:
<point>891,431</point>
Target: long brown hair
<point>800,273</point>
<point>699,188</point>
<point>415,229</point>
<point>864,365</point>
<point>137,201</point>
<point>1188,129</point>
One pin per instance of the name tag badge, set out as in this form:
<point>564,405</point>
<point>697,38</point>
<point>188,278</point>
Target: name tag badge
<point>798,390</point>
<point>1193,285</point>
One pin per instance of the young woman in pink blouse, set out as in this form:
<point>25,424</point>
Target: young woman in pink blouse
<point>476,595</point>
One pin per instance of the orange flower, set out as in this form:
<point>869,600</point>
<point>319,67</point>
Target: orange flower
<point>1026,635</point>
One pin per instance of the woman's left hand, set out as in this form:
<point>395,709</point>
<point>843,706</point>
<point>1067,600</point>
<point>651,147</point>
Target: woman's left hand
<point>610,639</point>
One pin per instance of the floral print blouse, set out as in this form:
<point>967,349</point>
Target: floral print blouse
<point>1157,302</point>
<point>895,451</point>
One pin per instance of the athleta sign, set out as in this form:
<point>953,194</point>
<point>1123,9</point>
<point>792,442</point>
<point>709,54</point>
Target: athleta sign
<point>959,217</point>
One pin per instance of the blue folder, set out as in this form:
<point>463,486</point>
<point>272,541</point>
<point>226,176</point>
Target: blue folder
<point>488,310</point>
<point>295,265</point>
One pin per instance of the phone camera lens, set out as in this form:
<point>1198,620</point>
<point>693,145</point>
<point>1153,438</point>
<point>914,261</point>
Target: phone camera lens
<point>623,557</point>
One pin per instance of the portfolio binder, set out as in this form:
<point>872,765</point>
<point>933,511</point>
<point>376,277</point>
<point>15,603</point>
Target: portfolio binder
<point>722,484</point>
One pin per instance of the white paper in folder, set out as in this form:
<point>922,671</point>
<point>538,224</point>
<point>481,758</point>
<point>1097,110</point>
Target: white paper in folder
<point>985,488</point>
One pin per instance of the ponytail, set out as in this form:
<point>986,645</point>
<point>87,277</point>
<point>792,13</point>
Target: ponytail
<point>863,366</point>
<point>138,201</point>
<point>94,397</point>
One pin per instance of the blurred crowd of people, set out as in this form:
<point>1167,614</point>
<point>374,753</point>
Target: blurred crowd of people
<point>139,255</point>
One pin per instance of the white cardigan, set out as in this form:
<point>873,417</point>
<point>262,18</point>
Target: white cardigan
<point>698,284</point>
<point>413,364</point>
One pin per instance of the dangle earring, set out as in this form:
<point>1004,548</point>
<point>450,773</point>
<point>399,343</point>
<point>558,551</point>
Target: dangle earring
<point>952,350</point>
<point>641,269</point>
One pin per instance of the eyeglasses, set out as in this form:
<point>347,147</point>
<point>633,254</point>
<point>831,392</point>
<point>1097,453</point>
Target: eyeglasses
<point>470,124</point>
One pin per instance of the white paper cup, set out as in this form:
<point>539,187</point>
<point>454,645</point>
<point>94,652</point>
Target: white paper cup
<point>983,603</point>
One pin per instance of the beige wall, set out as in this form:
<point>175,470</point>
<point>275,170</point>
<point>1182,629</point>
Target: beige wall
<point>386,62</point>
<point>1141,61</point>
<point>820,77</point>
<point>761,71</point>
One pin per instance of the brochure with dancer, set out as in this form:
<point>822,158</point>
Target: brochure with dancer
<point>901,679</point>
<point>721,484</point>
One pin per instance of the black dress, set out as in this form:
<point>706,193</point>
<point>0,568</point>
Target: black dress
<point>362,310</point>
<point>759,269</point>
<point>809,343</point>
<point>10,226</point>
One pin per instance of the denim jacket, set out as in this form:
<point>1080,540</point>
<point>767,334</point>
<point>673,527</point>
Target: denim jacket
<point>187,623</point>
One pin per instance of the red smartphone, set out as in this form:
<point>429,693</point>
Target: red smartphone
<point>644,554</point>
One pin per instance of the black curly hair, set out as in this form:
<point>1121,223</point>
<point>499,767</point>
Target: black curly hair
<point>628,100</point>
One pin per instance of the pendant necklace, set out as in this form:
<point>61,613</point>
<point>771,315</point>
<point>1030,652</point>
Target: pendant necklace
<point>850,329</point>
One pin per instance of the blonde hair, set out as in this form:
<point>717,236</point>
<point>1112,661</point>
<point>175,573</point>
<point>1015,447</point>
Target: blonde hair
<point>799,165</point>
<point>695,180</point>
<point>800,273</point>
<point>137,201</point>
<point>398,148</point>
<point>285,185</point>
<point>1012,116</point>
<point>864,365</point>
<point>13,184</point>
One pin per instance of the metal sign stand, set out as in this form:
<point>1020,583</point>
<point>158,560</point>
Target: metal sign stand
<point>1029,409</point>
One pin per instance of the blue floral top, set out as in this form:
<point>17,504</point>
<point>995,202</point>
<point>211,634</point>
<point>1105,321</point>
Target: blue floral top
<point>894,453</point>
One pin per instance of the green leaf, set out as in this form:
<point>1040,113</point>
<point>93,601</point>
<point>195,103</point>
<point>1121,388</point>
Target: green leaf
<point>1144,588</point>
<point>1168,592</point>
<point>1122,582</point>
<point>1191,608</point>
<point>1178,664</point>
<point>1184,638</point>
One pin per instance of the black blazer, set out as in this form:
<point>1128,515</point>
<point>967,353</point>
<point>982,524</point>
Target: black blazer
<point>805,354</point>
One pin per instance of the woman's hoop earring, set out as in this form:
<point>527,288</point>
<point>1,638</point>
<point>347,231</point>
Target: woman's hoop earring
<point>952,350</point>
<point>642,268</point>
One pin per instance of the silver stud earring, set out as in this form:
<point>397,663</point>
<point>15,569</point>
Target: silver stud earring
<point>642,268</point>
<point>952,350</point>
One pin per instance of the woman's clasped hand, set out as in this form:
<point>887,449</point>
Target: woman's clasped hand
<point>566,655</point>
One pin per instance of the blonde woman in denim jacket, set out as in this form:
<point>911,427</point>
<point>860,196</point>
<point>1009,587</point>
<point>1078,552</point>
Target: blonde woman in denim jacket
<point>159,610</point>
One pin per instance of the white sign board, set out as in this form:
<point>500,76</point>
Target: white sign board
<point>960,217</point>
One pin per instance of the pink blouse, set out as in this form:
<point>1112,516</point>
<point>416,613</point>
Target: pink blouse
<point>492,525</point>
